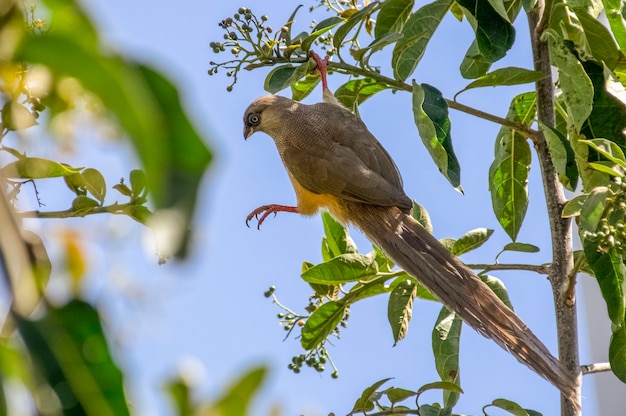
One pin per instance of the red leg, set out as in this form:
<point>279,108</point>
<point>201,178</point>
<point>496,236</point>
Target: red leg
<point>266,210</point>
<point>321,67</point>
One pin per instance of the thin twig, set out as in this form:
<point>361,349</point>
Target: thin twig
<point>541,268</point>
<point>595,368</point>
<point>68,213</point>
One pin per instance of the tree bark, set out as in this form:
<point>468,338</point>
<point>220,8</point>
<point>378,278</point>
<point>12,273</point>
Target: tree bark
<point>561,273</point>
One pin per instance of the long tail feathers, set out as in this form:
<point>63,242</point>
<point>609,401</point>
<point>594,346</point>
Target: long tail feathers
<point>422,256</point>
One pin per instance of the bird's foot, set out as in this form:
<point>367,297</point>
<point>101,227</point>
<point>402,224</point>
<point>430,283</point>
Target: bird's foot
<point>321,67</point>
<point>262,212</point>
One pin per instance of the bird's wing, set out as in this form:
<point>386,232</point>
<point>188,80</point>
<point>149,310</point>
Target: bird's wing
<point>344,159</point>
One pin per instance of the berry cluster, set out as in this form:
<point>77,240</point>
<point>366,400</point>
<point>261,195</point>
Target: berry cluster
<point>248,38</point>
<point>611,231</point>
<point>315,359</point>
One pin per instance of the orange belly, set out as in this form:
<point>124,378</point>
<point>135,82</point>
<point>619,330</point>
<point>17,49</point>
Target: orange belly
<point>310,203</point>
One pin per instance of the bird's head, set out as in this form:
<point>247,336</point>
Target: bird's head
<point>263,112</point>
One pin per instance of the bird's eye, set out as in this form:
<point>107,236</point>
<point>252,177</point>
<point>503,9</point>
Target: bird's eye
<point>254,119</point>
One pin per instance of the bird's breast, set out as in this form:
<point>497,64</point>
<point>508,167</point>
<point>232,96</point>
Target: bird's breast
<point>309,203</point>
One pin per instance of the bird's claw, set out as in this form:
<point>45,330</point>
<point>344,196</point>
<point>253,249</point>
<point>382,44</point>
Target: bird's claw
<point>265,210</point>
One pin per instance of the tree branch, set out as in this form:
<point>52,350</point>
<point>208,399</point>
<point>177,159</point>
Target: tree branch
<point>347,69</point>
<point>399,85</point>
<point>116,209</point>
<point>541,269</point>
<point>560,228</point>
<point>595,368</point>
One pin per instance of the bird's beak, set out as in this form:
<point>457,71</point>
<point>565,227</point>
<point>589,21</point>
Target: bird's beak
<point>247,132</point>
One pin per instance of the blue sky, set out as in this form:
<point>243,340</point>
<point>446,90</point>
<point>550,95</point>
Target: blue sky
<point>211,310</point>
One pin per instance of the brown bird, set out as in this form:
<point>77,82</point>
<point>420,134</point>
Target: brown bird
<point>335,163</point>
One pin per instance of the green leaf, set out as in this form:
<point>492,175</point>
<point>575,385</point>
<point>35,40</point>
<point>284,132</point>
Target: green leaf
<point>574,206</point>
<point>238,397</point>
<point>609,271</point>
<point>363,55</point>
<point>94,183</point>
<point>180,394</point>
<point>581,264</point>
<point>283,76</point>
<point>613,10</point>
<point>562,156</point>
<point>471,240</point>
<point>494,34</point>
<point>433,410</point>
<point>139,213</point>
<point>321,323</point>
<point>431,117</point>
<point>446,338</point>
<point>505,76</point>
<point>364,403</point>
<point>287,34</point>
<point>337,237</point>
<point>123,189</point>
<point>617,353</point>
<point>590,177</point>
<point>608,149</point>
<point>508,177</point>
<point>385,264</point>
<point>416,34</point>
<point>302,88</point>
<point>420,291</point>
<point>448,243</point>
<point>344,268</point>
<point>474,65</point>
<point>36,168</point>
<point>354,92</point>
<point>343,30</point>
<point>608,116</point>
<point>41,265</point>
<point>321,28</point>
<point>73,357</point>
<point>599,40</point>
<point>592,210</point>
<point>440,385</point>
<point>83,205</point>
<point>392,16</point>
<point>500,8</point>
<point>396,394</point>
<point>511,407</point>
<point>187,156</point>
<point>68,19</point>
<point>608,168</point>
<point>421,215</point>
<point>521,247</point>
<point>574,82</point>
<point>17,117</point>
<point>497,286</point>
<point>400,308</point>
